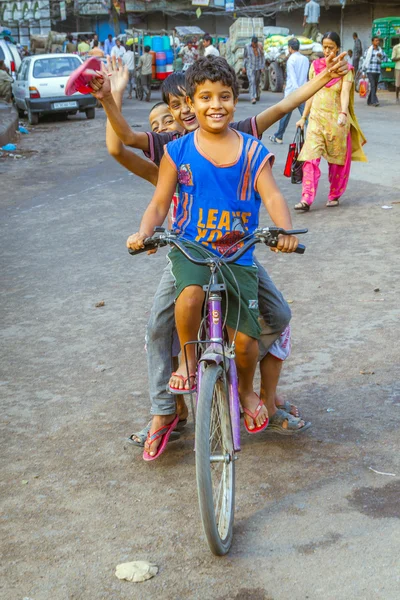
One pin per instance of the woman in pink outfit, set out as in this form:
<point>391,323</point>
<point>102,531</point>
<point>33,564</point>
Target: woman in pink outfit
<point>333,132</point>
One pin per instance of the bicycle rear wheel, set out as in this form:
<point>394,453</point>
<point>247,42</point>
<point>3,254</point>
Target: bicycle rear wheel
<point>215,464</point>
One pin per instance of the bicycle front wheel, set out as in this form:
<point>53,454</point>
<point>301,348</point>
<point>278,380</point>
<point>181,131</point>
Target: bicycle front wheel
<point>215,464</point>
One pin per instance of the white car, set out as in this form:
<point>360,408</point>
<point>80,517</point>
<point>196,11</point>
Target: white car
<point>39,87</point>
<point>11,57</point>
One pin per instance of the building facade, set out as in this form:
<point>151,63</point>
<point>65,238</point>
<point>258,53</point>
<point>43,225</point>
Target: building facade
<point>26,18</point>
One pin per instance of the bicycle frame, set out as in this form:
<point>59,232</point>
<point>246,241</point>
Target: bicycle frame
<point>215,353</point>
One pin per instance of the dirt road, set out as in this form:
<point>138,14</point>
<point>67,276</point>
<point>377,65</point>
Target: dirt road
<point>317,516</point>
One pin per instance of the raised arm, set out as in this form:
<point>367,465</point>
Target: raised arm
<point>158,208</point>
<point>335,67</point>
<point>127,158</point>
<point>101,86</point>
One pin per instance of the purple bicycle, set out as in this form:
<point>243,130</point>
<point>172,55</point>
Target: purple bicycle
<point>217,413</point>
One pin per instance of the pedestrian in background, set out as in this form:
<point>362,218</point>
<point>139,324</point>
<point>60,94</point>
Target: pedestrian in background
<point>311,19</point>
<point>357,52</point>
<point>146,67</point>
<point>96,51</point>
<point>118,50</point>
<point>254,64</point>
<point>372,66</point>
<point>209,49</point>
<point>333,132</point>
<point>95,39</point>
<point>83,46</point>
<point>70,45</point>
<point>129,60</point>
<point>396,59</point>
<point>350,59</point>
<point>296,75</point>
<point>65,42</point>
<point>189,55</point>
<point>109,45</point>
<point>5,83</point>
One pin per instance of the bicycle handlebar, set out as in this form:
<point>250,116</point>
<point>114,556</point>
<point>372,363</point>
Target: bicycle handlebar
<point>267,235</point>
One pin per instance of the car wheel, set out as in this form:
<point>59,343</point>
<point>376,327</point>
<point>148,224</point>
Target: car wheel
<point>90,113</point>
<point>33,118</point>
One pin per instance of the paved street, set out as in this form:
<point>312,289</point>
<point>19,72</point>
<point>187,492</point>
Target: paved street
<point>317,516</point>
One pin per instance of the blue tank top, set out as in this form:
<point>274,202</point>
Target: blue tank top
<point>218,204</point>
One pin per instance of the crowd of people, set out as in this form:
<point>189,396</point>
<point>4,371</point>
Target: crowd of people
<point>190,131</point>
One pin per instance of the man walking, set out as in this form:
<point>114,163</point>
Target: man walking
<point>296,75</point>
<point>189,55</point>
<point>254,63</point>
<point>108,45</point>
<point>357,52</point>
<point>146,66</point>
<point>118,50</point>
<point>311,19</point>
<point>372,65</point>
<point>396,59</point>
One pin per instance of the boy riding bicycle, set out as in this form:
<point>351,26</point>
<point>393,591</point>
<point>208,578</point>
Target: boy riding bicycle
<point>219,203</point>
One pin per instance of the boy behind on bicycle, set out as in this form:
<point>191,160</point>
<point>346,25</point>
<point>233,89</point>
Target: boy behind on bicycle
<point>237,184</point>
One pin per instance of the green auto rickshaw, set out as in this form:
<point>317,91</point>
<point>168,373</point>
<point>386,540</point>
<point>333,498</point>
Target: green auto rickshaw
<point>388,31</point>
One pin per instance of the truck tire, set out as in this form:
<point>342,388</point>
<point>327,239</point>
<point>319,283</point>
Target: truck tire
<point>276,78</point>
<point>265,80</point>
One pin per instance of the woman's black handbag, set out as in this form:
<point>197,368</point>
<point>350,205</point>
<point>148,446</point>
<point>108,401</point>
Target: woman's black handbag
<point>296,175</point>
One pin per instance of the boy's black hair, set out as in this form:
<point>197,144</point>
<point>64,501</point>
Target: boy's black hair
<point>174,85</point>
<point>210,68</point>
<point>147,48</point>
<point>294,44</point>
<point>207,38</point>
<point>157,104</point>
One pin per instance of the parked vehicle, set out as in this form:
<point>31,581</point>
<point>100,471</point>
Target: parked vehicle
<point>39,88</point>
<point>11,57</point>
<point>388,31</point>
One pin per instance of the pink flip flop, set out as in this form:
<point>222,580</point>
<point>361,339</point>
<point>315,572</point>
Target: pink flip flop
<point>254,415</point>
<point>78,80</point>
<point>164,433</point>
<point>179,391</point>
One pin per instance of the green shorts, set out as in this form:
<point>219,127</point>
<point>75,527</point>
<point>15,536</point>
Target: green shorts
<point>186,273</point>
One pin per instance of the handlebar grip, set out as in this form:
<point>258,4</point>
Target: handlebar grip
<point>300,249</point>
<point>147,246</point>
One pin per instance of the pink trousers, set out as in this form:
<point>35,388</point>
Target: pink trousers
<point>338,177</point>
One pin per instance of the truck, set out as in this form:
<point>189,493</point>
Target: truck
<point>388,31</point>
<point>276,55</point>
<point>240,34</point>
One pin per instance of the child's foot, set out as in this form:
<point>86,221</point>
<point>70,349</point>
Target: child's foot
<point>180,382</point>
<point>255,414</point>
<point>157,422</point>
<point>181,408</point>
